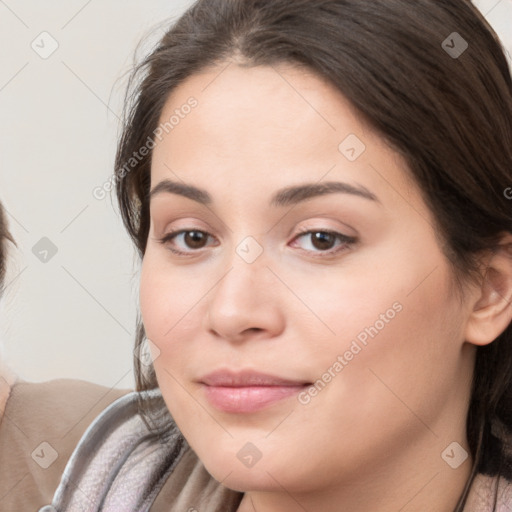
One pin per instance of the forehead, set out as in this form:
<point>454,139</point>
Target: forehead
<point>262,127</point>
<point>255,106</point>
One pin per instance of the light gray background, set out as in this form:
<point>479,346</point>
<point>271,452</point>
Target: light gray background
<point>74,314</point>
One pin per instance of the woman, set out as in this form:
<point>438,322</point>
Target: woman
<point>318,194</point>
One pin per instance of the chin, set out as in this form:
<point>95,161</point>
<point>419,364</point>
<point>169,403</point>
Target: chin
<point>244,479</point>
<point>268,473</point>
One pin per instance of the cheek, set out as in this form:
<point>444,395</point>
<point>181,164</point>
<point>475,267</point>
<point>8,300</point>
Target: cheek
<point>167,315</point>
<point>407,355</point>
<point>151,296</point>
<point>172,311</point>
<point>166,297</point>
<point>392,318</point>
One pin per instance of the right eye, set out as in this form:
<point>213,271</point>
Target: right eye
<point>192,239</point>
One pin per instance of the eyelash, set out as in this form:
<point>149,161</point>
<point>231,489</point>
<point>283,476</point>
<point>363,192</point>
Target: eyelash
<point>347,241</point>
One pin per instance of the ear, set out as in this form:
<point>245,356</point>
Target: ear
<point>492,309</point>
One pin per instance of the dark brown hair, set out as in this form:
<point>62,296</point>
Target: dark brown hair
<point>4,237</point>
<point>449,116</point>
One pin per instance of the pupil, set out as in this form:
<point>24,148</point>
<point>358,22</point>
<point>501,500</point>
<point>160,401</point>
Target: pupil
<point>322,240</point>
<point>194,239</point>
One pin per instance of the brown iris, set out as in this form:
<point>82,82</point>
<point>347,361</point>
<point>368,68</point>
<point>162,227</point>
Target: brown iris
<point>195,239</point>
<point>322,240</point>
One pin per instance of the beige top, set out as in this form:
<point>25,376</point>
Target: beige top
<point>39,429</point>
<point>43,423</point>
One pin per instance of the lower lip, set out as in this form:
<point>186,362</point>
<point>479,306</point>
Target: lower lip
<point>248,399</point>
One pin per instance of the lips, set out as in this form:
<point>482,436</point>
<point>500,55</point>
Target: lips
<point>247,391</point>
<point>247,378</point>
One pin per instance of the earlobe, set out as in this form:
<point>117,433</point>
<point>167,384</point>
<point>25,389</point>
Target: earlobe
<point>492,311</point>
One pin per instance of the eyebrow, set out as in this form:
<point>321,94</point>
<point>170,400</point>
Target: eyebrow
<point>285,197</point>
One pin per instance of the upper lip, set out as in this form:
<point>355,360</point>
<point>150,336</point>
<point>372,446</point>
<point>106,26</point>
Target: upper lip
<point>246,378</point>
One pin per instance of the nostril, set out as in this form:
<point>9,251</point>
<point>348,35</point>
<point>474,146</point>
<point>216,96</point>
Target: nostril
<point>254,329</point>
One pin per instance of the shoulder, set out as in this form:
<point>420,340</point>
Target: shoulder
<point>41,425</point>
<point>76,403</point>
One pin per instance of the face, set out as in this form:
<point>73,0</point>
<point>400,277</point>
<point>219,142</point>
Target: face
<point>301,311</point>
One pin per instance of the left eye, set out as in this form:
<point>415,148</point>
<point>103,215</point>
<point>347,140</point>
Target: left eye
<point>324,241</point>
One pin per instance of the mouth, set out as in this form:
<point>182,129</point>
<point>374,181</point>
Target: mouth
<point>248,391</point>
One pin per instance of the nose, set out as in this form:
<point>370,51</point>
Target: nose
<point>245,303</point>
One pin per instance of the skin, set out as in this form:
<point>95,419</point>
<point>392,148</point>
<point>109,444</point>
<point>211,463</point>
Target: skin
<point>372,438</point>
